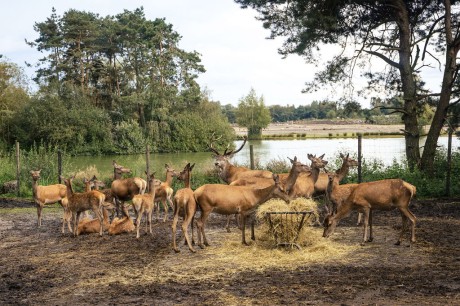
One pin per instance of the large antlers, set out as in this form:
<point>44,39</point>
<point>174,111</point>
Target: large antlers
<point>225,152</point>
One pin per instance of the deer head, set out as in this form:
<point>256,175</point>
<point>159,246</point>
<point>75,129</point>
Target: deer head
<point>221,160</point>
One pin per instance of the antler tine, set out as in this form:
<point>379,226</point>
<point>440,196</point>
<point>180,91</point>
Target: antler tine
<point>239,149</point>
<point>211,140</point>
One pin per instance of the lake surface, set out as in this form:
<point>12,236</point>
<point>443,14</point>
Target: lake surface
<point>383,149</point>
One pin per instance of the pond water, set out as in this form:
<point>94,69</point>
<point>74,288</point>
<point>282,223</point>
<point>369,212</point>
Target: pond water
<point>383,149</point>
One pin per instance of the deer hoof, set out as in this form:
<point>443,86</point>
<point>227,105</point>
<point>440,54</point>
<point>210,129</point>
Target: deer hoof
<point>176,250</point>
<point>201,246</point>
<point>193,250</point>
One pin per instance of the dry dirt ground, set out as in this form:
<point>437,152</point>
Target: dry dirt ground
<point>44,267</point>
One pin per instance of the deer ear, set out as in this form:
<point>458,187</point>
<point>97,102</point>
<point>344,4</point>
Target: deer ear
<point>341,156</point>
<point>292,161</point>
<point>191,167</point>
<point>322,156</point>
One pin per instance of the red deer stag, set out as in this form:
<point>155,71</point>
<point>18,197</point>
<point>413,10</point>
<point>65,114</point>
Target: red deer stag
<point>80,202</point>
<point>125,189</point>
<point>230,173</point>
<point>143,204</point>
<point>378,195</point>
<point>230,200</point>
<point>164,192</point>
<point>49,195</point>
<point>185,206</point>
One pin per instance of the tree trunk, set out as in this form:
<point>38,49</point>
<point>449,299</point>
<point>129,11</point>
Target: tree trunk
<point>452,48</point>
<point>411,132</point>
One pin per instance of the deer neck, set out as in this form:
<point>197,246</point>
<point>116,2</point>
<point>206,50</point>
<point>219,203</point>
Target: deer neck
<point>169,178</point>
<point>331,186</point>
<point>116,175</point>
<point>343,171</point>
<point>34,187</point>
<point>69,190</point>
<point>291,179</point>
<point>152,187</point>
<point>187,180</point>
<point>314,173</point>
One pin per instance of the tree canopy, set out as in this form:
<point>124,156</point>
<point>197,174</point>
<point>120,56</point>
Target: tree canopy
<point>407,36</point>
<point>253,114</point>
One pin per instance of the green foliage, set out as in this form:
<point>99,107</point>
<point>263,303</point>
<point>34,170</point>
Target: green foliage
<point>253,114</point>
<point>128,138</point>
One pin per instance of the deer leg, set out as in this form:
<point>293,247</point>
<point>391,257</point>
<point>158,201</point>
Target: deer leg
<point>149,218</point>
<point>243,230</point>
<point>190,213</point>
<point>98,212</point>
<point>75,223</point>
<point>360,215</point>
<point>201,223</point>
<point>407,214</point>
<point>253,222</point>
<point>138,221</point>
<point>371,236</point>
<point>39,215</point>
<point>174,228</point>
<point>227,226</point>
<point>365,224</point>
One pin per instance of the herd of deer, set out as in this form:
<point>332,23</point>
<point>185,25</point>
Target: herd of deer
<point>244,191</point>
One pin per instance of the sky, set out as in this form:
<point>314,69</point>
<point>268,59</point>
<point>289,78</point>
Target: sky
<point>232,43</point>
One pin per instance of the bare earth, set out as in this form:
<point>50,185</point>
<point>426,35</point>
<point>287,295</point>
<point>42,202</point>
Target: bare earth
<point>44,267</point>
<point>324,128</point>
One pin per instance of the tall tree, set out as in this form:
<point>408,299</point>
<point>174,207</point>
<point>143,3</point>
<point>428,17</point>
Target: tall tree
<point>253,114</point>
<point>404,34</point>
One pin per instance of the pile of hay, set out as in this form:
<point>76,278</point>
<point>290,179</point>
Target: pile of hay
<point>284,228</point>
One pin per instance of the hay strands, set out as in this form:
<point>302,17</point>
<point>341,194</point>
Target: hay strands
<point>284,229</point>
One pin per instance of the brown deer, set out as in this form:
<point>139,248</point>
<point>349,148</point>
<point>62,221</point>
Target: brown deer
<point>125,189</point>
<point>121,226</point>
<point>89,226</point>
<point>342,172</point>
<point>164,192</point>
<point>80,202</point>
<point>230,200</point>
<point>143,204</point>
<point>335,193</point>
<point>185,206</point>
<point>49,195</point>
<point>378,195</point>
<point>305,184</point>
<point>230,173</point>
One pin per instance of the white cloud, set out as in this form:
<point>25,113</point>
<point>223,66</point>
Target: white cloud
<point>232,43</point>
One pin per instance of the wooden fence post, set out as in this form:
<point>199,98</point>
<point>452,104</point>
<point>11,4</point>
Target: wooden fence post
<point>147,166</point>
<point>251,156</point>
<point>360,140</point>
<point>18,169</point>
<point>449,161</point>
<point>59,153</point>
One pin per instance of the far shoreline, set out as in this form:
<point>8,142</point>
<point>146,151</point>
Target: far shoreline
<point>326,129</point>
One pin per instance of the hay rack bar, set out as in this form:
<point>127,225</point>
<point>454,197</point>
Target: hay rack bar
<point>289,218</point>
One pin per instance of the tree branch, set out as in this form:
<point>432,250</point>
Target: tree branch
<point>383,57</point>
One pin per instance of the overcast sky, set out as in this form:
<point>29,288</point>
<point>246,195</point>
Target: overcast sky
<point>232,43</point>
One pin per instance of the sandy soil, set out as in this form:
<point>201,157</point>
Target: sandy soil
<point>324,128</point>
<point>44,267</point>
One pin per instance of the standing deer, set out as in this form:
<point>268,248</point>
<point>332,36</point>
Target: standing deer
<point>80,202</point>
<point>305,184</point>
<point>184,205</point>
<point>342,172</point>
<point>378,195</point>
<point>229,200</point>
<point>49,195</point>
<point>143,204</point>
<point>164,193</point>
<point>125,189</point>
<point>230,173</point>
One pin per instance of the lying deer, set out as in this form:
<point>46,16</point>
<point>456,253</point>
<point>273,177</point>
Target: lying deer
<point>184,205</point>
<point>49,195</point>
<point>89,226</point>
<point>121,226</point>
<point>229,200</point>
<point>378,195</point>
<point>125,189</point>
<point>143,204</point>
<point>80,202</point>
<point>164,193</point>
